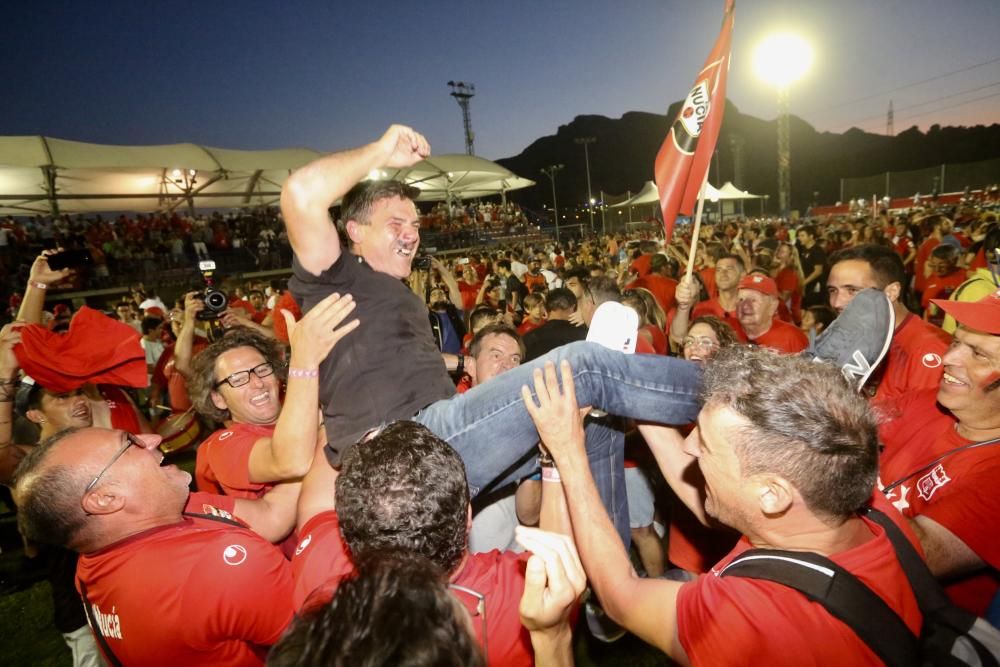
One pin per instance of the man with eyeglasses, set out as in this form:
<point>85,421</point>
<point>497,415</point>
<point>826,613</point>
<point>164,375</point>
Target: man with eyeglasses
<point>237,381</point>
<point>161,582</point>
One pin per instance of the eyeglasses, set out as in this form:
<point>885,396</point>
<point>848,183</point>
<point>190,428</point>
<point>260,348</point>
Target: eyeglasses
<point>240,378</point>
<point>130,440</point>
<point>700,342</point>
<point>480,612</point>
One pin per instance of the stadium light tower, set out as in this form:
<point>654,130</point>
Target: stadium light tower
<point>551,172</point>
<point>586,141</point>
<point>463,92</point>
<point>781,60</point>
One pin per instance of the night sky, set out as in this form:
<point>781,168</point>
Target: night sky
<point>334,74</point>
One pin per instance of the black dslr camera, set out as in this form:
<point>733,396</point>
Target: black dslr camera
<point>215,300</point>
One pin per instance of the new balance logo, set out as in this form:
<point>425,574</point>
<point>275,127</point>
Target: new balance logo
<point>859,369</point>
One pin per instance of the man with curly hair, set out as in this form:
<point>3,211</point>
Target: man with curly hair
<point>237,381</point>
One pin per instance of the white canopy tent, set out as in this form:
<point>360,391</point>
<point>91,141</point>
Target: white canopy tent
<point>43,175</point>
<point>457,176</point>
<point>46,175</point>
<point>650,195</point>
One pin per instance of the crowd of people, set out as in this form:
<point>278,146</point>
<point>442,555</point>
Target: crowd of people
<point>422,459</point>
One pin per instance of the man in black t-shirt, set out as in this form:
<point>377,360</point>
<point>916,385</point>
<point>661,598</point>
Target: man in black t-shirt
<point>390,369</point>
<point>813,265</point>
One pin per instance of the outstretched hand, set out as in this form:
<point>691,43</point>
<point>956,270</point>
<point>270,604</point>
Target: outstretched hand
<point>318,332</point>
<point>556,414</point>
<point>553,580</point>
<point>10,336</point>
<point>41,272</point>
<point>403,146</point>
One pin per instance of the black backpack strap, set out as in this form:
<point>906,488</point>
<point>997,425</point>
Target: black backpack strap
<point>95,627</point>
<point>844,597</point>
<point>215,517</point>
<point>930,596</point>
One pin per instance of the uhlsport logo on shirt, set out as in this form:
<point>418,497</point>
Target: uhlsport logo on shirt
<point>234,554</point>
<point>931,360</point>
<point>109,625</point>
<point>303,544</point>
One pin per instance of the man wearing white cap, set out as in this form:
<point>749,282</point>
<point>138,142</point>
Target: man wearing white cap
<point>941,462</point>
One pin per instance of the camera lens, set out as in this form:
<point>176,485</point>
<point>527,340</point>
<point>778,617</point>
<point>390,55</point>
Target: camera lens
<point>215,300</point>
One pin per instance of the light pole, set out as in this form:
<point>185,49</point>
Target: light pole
<point>781,60</point>
<point>551,172</point>
<point>463,92</point>
<point>586,141</point>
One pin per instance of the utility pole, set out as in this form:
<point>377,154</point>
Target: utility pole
<point>551,172</point>
<point>889,129</point>
<point>586,141</point>
<point>463,92</point>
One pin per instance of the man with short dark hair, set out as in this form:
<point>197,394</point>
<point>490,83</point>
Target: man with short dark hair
<point>813,260</point>
<point>363,385</point>
<point>405,489</point>
<point>913,362</point>
<point>729,270</point>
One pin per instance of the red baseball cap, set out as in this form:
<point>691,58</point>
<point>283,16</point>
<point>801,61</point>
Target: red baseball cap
<point>982,315</point>
<point>760,283</point>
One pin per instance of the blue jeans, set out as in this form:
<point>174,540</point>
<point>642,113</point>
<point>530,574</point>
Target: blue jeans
<point>492,431</point>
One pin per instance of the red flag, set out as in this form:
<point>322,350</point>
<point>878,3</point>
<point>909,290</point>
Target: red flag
<point>686,153</point>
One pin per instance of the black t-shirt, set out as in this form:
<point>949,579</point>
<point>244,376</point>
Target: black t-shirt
<point>549,336</point>
<point>389,368</point>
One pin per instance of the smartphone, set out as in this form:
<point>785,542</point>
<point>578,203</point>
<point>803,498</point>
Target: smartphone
<point>69,259</point>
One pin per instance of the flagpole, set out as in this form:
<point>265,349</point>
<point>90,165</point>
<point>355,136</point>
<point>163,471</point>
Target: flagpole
<point>696,231</point>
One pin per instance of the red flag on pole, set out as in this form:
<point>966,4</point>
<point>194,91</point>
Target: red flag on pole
<point>684,157</point>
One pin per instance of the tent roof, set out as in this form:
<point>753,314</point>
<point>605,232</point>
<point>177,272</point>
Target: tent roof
<point>649,194</point>
<point>39,173</point>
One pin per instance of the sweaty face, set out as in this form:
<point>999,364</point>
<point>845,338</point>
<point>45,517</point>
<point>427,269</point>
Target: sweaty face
<point>390,239</point>
<point>68,410</point>
<point>498,353</point>
<point>574,286</point>
<point>257,401</point>
<point>846,279</point>
<point>711,444</point>
<point>754,309</point>
<point>727,273</point>
<point>972,364</point>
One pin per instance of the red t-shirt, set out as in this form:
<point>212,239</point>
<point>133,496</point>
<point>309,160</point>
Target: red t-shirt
<point>788,280</point>
<point>527,325</point>
<point>940,287</point>
<point>659,339</point>
<point>200,591</point>
<point>469,294</point>
<point>743,621</point>
<point>321,561</point>
<point>923,254</point>
<point>713,307</point>
<point>913,361</point>
<point>959,492</point>
<point>708,278</point>
<point>223,462</point>
<point>783,337</point>
<point>123,411</point>
<point>661,287</point>
<point>641,265</point>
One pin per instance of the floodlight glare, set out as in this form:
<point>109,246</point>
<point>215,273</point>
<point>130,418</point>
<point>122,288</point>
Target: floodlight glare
<point>782,59</point>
